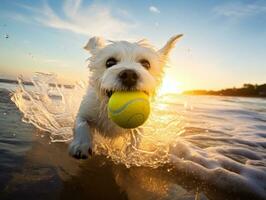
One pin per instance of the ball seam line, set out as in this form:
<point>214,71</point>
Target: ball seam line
<point>117,111</point>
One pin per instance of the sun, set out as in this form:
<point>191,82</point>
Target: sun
<point>169,85</point>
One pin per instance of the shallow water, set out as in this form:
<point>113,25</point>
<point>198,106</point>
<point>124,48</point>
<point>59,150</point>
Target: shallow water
<point>204,146</point>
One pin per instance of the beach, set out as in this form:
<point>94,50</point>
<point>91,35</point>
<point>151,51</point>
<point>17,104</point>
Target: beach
<point>230,129</point>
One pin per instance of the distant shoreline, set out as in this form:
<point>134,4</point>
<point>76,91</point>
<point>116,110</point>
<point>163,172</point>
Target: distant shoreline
<point>248,90</point>
<point>2,80</point>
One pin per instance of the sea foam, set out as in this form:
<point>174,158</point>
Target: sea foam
<point>217,144</point>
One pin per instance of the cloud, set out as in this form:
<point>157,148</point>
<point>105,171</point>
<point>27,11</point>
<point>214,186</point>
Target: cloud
<point>239,9</point>
<point>154,9</point>
<point>93,19</point>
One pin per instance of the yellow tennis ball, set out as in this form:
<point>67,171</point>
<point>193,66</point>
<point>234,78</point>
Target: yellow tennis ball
<point>129,109</point>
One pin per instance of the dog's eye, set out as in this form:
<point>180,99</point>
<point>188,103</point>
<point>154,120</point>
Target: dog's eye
<point>110,62</point>
<point>145,63</point>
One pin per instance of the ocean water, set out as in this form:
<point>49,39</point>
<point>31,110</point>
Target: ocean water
<point>192,147</point>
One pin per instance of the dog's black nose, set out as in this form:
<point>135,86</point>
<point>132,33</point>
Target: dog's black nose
<point>128,77</point>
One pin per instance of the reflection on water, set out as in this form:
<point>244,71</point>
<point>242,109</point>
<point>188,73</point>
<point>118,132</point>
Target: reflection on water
<point>213,145</point>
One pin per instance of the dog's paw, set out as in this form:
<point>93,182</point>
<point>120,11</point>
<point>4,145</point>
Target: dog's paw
<point>80,150</point>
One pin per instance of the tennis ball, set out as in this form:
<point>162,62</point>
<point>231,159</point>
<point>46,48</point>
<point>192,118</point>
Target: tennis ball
<point>129,109</point>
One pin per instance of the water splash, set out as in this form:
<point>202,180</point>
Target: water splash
<point>145,146</point>
<point>49,106</point>
<point>52,108</point>
<point>200,139</point>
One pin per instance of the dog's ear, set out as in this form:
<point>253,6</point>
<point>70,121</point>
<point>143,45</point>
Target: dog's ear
<point>94,44</point>
<point>169,45</point>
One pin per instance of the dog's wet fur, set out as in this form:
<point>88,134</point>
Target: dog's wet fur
<point>117,66</point>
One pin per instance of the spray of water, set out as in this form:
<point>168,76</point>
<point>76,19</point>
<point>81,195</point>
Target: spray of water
<point>49,106</point>
<point>202,143</point>
<point>52,108</point>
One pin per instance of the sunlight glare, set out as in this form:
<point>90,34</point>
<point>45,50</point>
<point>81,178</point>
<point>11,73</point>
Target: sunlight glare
<point>170,86</point>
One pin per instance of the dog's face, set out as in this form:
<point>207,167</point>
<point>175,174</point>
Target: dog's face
<point>126,66</point>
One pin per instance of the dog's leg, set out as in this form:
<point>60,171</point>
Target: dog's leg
<point>81,145</point>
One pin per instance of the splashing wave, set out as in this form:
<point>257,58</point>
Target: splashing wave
<point>216,143</point>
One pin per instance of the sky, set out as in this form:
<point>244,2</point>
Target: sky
<point>224,42</point>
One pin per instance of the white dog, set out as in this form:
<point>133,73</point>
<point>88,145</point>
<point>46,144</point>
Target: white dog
<point>118,66</point>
